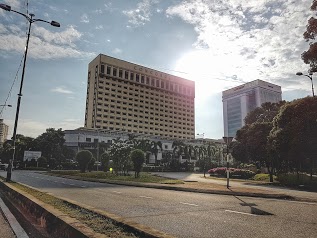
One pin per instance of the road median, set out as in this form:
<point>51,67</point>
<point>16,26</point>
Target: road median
<point>198,187</point>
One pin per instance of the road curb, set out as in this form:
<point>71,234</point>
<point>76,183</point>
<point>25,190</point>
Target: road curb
<point>208,191</point>
<point>71,227</point>
<point>14,224</point>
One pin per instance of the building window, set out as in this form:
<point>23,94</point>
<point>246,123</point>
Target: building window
<point>137,77</point>
<point>102,69</point>
<point>114,72</point>
<point>108,69</point>
<point>88,139</point>
<point>126,75</point>
<point>131,76</point>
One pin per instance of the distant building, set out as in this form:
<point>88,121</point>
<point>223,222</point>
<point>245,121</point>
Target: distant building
<point>91,139</point>
<point>123,96</point>
<point>3,132</point>
<point>239,101</point>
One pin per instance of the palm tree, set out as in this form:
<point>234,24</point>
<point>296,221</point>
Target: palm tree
<point>200,152</point>
<point>178,148</point>
<point>154,149</point>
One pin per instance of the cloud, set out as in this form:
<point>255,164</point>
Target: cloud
<point>250,39</point>
<point>141,14</point>
<point>98,11</point>
<point>84,18</point>
<point>117,51</point>
<point>44,44</point>
<point>99,27</point>
<point>61,90</point>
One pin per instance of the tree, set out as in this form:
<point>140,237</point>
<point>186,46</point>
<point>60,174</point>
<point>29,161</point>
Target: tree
<point>42,161</point>
<point>105,159</point>
<point>154,149</point>
<point>265,113</point>
<point>137,157</point>
<point>310,56</point>
<point>120,154</point>
<point>51,143</point>
<point>83,158</point>
<point>91,164</point>
<point>252,139</point>
<point>294,135</point>
<point>200,152</point>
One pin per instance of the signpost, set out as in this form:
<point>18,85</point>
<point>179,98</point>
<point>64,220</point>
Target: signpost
<point>29,155</point>
<point>227,140</point>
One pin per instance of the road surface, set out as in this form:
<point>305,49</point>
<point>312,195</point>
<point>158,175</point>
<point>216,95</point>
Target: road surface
<point>186,214</point>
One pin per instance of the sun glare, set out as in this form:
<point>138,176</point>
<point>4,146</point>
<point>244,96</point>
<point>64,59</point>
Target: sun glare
<point>205,69</point>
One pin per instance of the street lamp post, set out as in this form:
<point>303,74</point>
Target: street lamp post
<point>30,19</point>
<point>227,141</point>
<point>310,76</point>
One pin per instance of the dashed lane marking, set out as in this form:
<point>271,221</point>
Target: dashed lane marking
<point>189,204</point>
<point>146,197</point>
<point>243,213</point>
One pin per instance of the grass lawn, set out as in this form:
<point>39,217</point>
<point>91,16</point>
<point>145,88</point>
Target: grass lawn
<point>144,177</point>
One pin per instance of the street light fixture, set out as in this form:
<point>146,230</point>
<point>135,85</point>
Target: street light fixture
<point>30,19</point>
<point>227,140</point>
<point>6,105</point>
<point>310,76</point>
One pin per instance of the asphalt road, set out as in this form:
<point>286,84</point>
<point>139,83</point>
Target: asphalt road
<point>185,214</point>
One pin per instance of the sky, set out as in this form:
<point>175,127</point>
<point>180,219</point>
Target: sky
<point>218,44</point>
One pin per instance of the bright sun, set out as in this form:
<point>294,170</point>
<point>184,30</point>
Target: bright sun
<point>205,69</point>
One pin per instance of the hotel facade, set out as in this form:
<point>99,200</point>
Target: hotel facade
<point>123,96</point>
<point>3,132</point>
<point>239,101</point>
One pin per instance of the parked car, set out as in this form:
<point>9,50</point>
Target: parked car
<point>4,166</point>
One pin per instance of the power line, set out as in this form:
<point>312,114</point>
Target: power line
<point>16,75</point>
<point>9,94</point>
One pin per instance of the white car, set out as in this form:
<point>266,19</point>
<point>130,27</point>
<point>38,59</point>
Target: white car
<point>4,166</point>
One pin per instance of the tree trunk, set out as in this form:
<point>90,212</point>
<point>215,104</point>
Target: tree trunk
<point>270,173</point>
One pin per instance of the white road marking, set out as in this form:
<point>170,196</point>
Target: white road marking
<point>244,213</point>
<point>145,197</point>
<point>83,186</point>
<point>116,192</point>
<point>71,184</point>
<point>189,204</point>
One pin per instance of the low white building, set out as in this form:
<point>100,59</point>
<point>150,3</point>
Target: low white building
<point>84,138</point>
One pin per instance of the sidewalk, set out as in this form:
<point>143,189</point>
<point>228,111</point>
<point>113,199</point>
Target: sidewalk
<point>5,228</point>
<point>236,185</point>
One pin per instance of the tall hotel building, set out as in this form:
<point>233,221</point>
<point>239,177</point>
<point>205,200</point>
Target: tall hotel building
<point>239,101</point>
<point>3,132</point>
<point>123,96</point>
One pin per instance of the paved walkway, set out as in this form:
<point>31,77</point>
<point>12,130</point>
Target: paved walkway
<point>5,229</point>
<point>234,184</point>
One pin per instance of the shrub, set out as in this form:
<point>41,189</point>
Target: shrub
<point>137,157</point>
<point>263,177</point>
<point>294,180</point>
<point>241,173</point>
<point>83,158</point>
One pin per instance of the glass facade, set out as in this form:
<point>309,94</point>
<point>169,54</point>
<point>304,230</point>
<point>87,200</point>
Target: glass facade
<point>234,115</point>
